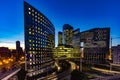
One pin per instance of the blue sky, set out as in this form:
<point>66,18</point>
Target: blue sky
<point>83,14</point>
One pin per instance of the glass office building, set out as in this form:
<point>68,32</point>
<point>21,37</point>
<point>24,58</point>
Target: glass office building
<point>39,42</point>
<point>67,34</point>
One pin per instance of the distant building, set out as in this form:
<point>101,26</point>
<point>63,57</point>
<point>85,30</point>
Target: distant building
<point>67,34</point>
<point>68,42</point>
<point>63,52</point>
<point>116,54</point>
<point>39,43</point>
<point>18,52</point>
<point>5,52</point>
<point>60,38</point>
<point>17,45</point>
<point>96,44</point>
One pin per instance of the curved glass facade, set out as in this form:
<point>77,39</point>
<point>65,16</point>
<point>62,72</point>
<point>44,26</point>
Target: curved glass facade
<point>39,41</point>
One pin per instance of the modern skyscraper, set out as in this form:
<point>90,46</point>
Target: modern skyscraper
<point>96,44</point>
<point>76,43</point>
<point>60,38</point>
<point>39,42</point>
<point>67,34</point>
<point>76,38</point>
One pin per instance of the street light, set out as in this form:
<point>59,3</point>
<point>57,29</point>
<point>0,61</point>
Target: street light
<point>1,63</point>
<point>81,53</point>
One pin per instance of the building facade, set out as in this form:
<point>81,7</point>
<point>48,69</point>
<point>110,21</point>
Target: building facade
<point>63,52</point>
<point>39,42</point>
<point>68,42</point>
<point>60,38</point>
<point>67,34</point>
<point>116,54</point>
<point>96,44</point>
<point>76,43</point>
<point>5,52</point>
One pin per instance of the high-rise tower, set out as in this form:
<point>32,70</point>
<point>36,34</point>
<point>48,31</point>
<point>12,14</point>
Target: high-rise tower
<point>67,34</point>
<point>39,42</point>
<point>18,45</point>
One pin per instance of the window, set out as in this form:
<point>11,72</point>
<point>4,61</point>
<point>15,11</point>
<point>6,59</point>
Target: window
<point>29,32</point>
<point>29,12</point>
<point>29,40</point>
<point>32,14</point>
<point>35,12</point>
<point>29,8</point>
<point>32,10</point>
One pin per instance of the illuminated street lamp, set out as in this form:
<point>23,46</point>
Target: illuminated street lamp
<point>81,54</point>
<point>1,63</point>
<point>10,60</point>
<point>5,61</point>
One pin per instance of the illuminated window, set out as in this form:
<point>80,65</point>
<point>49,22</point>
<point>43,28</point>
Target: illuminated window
<point>30,63</point>
<point>32,10</point>
<point>33,33</point>
<point>33,45</point>
<point>33,62</point>
<point>29,40</point>
<point>29,32</point>
<point>32,14</point>
<point>35,12</point>
<point>30,59</point>
<point>29,12</point>
<point>36,20</point>
<point>29,8</point>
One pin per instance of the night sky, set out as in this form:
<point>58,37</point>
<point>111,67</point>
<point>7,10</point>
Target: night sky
<point>83,14</point>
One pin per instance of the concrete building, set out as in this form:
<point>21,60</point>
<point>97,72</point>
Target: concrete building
<point>116,54</point>
<point>96,44</point>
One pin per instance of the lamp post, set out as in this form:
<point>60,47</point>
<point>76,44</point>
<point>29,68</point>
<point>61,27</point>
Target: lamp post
<point>81,60</point>
<point>81,52</point>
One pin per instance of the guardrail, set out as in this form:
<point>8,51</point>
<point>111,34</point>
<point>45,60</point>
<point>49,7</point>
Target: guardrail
<point>9,74</point>
<point>114,77</point>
